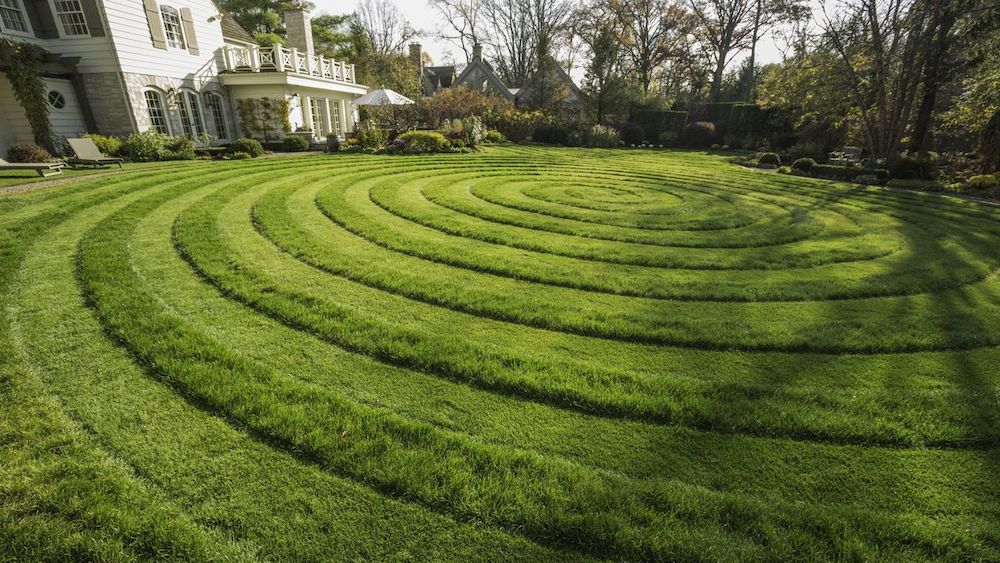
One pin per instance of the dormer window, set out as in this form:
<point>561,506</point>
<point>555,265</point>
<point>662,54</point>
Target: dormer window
<point>12,19</point>
<point>71,18</point>
<point>172,28</point>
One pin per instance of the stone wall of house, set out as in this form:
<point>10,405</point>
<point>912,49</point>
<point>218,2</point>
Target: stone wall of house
<point>109,103</point>
<point>170,88</point>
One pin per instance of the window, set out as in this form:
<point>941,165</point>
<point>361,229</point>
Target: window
<point>214,103</point>
<point>317,118</point>
<point>335,116</point>
<point>56,99</point>
<point>191,115</point>
<point>12,18</point>
<point>157,115</point>
<point>172,27</point>
<point>70,13</point>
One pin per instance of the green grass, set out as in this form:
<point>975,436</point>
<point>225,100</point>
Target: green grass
<point>524,354</point>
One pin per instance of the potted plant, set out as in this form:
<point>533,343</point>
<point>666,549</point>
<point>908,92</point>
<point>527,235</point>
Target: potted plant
<point>333,142</point>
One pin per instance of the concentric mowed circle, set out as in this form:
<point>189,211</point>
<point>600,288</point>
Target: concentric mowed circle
<point>520,354</point>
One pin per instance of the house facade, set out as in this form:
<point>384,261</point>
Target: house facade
<point>553,82</point>
<point>180,67</point>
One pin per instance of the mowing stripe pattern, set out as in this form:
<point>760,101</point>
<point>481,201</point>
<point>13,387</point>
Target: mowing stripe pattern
<point>524,354</point>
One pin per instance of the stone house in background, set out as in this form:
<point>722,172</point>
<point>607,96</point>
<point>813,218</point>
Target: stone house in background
<point>480,75</point>
<point>180,67</point>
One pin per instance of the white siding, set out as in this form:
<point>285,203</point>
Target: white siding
<point>68,121</point>
<point>14,126</point>
<point>136,54</point>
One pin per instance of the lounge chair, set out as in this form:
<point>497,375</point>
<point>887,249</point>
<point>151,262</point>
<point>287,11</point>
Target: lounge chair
<point>44,169</point>
<point>86,153</point>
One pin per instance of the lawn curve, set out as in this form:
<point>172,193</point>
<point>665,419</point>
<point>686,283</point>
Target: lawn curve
<point>521,354</point>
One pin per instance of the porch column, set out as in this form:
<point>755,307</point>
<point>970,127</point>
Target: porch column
<point>307,114</point>
<point>344,129</point>
<point>328,116</point>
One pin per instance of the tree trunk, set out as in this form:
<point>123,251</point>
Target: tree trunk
<point>751,85</point>
<point>718,75</point>
<point>990,145</point>
<point>933,72</point>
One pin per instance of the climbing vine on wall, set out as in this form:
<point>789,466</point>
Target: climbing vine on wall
<point>23,62</point>
<point>264,117</point>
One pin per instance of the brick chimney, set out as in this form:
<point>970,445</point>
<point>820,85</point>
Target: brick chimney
<point>417,54</point>
<point>477,52</point>
<point>299,28</point>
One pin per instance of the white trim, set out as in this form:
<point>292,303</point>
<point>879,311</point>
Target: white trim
<point>24,17</point>
<point>164,108</point>
<point>180,27</point>
<point>59,24</point>
<point>185,108</point>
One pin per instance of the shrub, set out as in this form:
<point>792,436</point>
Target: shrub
<point>866,180</point>
<point>517,125</point>
<point>459,144</point>
<point>106,144</point>
<point>766,165</point>
<point>847,173</point>
<point>372,137</point>
<point>295,143</point>
<point>916,184</point>
<point>633,134</point>
<point>475,131</point>
<point>143,147</point>
<point>909,168</point>
<point>177,148</point>
<point>239,155</point>
<point>699,135</point>
<point>798,151</point>
<point>769,158</point>
<point>667,138</point>
<point>785,170</point>
<point>600,136</point>
<point>984,182</point>
<point>551,135</point>
<point>418,142</point>
<point>495,137</point>
<point>804,164</point>
<point>28,153</point>
<point>251,147</point>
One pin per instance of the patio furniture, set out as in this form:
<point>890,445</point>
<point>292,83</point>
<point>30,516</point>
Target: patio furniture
<point>87,154</point>
<point>849,156</point>
<point>44,169</point>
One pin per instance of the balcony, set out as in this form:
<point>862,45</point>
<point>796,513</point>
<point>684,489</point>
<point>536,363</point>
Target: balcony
<point>280,59</point>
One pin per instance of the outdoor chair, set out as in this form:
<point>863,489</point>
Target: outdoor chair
<point>849,156</point>
<point>44,169</point>
<point>86,153</point>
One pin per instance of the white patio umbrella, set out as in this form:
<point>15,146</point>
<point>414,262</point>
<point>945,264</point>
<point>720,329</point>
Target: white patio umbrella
<point>383,97</point>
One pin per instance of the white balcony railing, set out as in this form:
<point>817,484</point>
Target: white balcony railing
<point>281,59</point>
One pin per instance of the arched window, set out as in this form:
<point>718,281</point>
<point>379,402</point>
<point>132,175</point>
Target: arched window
<point>190,109</point>
<point>156,110</point>
<point>216,115</point>
<point>172,28</point>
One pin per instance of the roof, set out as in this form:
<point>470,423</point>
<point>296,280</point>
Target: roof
<point>488,74</point>
<point>233,31</point>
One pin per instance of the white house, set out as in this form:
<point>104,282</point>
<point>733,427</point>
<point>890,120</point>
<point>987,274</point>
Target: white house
<point>176,66</point>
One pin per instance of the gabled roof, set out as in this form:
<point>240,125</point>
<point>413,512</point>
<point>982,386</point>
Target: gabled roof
<point>561,74</point>
<point>487,71</point>
<point>233,31</point>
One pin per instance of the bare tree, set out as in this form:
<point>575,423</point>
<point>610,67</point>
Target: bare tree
<point>650,32</point>
<point>386,27</point>
<point>727,27</point>
<point>463,23</point>
<point>882,46</point>
<point>511,38</point>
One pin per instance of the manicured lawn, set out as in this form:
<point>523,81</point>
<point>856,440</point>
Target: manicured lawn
<point>524,354</point>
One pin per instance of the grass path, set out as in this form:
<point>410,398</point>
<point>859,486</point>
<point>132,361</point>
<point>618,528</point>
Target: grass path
<point>530,354</point>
